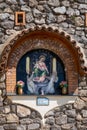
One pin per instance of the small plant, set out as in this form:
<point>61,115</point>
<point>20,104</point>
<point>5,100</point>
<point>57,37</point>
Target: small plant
<point>20,84</point>
<point>73,17</point>
<point>63,84</point>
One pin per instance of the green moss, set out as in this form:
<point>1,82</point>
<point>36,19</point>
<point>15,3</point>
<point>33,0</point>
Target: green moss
<point>73,17</point>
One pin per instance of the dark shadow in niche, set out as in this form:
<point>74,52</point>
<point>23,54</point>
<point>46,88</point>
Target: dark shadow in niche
<point>41,71</point>
<point>20,18</point>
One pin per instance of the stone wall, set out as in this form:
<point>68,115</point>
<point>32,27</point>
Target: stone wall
<point>68,117</point>
<point>71,116</point>
<point>68,16</point>
<point>18,117</point>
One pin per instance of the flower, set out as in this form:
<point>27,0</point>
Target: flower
<point>20,83</point>
<point>63,84</point>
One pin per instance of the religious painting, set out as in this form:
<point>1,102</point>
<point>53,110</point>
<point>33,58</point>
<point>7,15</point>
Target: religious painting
<point>41,71</point>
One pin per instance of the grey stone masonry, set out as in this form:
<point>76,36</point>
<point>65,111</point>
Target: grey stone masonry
<point>63,12</point>
<point>67,15</point>
<point>19,117</point>
<point>71,116</point>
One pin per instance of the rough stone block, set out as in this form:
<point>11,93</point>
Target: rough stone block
<point>39,21</point>
<point>50,113</point>
<point>4,16</point>
<point>50,120</point>
<point>84,121</point>
<point>33,3</point>
<point>21,127</point>
<point>25,8</point>
<point>82,127</point>
<point>79,104</point>
<point>2,77</point>
<point>82,93</point>
<point>7,24</point>
<point>61,18</point>
<point>84,113</point>
<point>12,118</point>
<point>54,3</point>
<point>26,121</point>
<point>2,120</point>
<point>33,126</point>
<point>23,111</point>
<point>61,120</point>
<point>67,126</point>
<point>71,120</point>
<point>1,128</point>
<point>71,113</point>
<point>13,108</point>
<point>58,114</point>
<point>11,2</point>
<point>78,117</point>
<point>79,21</point>
<point>1,103</point>
<point>3,5</point>
<point>7,109</point>
<point>2,85</point>
<point>10,126</point>
<point>60,10</point>
<point>29,17</point>
<point>55,127</point>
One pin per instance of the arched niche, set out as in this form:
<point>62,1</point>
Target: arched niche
<point>53,40</point>
<point>31,66</point>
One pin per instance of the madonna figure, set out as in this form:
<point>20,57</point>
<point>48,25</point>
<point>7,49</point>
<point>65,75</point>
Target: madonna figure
<point>40,70</point>
<point>39,82</point>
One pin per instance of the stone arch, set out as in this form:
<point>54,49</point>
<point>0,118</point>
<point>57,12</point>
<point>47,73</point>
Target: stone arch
<point>49,38</point>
